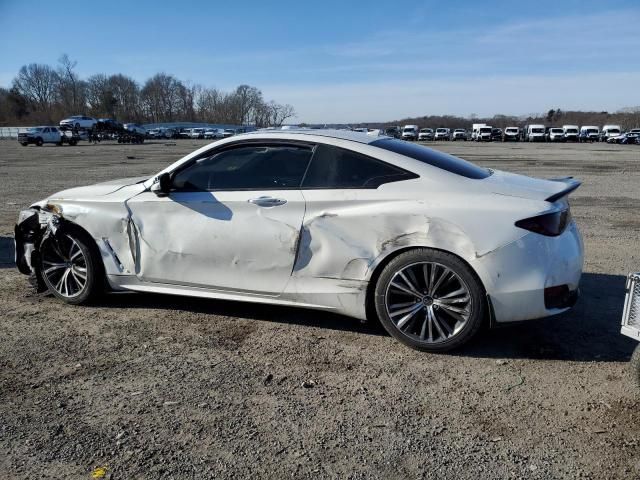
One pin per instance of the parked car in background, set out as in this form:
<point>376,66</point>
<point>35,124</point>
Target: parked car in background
<point>443,134</point>
<point>483,133</point>
<point>395,132</point>
<point>135,128</point>
<point>184,133</point>
<point>197,133</point>
<point>432,245</point>
<point>610,131</point>
<point>496,134</point>
<point>154,133</point>
<point>555,134</point>
<point>571,133</point>
<point>460,134</point>
<point>410,132</point>
<point>534,133</point>
<point>79,121</point>
<point>39,136</point>
<point>511,134</point>
<point>475,130</point>
<point>589,133</point>
<point>213,133</point>
<point>108,124</point>
<point>426,135</point>
<point>230,132</point>
<point>633,136</point>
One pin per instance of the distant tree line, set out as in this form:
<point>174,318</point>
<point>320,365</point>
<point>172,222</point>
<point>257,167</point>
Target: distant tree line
<point>627,118</point>
<point>42,94</point>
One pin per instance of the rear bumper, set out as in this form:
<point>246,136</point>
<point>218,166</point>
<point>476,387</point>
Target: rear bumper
<point>519,277</point>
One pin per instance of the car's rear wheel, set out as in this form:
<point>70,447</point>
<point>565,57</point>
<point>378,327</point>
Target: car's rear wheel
<point>430,300</point>
<point>70,269</point>
<point>39,142</point>
<point>24,144</point>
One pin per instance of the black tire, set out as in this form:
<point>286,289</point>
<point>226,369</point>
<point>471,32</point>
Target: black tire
<point>39,142</point>
<point>24,144</point>
<point>466,278</point>
<point>635,366</point>
<point>62,243</point>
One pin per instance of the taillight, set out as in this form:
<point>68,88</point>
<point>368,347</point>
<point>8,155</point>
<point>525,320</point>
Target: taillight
<point>549,224</point>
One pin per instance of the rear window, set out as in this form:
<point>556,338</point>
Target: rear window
<point>432,157</point>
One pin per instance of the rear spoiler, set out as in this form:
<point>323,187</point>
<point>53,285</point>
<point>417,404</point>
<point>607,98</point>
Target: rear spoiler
<point>571,185</point>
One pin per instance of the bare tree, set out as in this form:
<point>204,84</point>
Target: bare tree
<point>37,83</point>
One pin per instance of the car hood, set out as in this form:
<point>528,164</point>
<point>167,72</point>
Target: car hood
<point>514,185</point>
<point>96,190</point>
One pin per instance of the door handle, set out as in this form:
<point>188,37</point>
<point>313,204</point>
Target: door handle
<point>267,201</point>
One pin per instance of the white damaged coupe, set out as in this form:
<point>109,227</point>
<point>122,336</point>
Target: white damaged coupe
<point>367,226</point>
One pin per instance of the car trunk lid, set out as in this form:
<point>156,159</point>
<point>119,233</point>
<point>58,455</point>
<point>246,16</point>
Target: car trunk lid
<point>514,185</point>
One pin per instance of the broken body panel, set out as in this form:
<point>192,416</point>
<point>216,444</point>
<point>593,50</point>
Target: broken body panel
<point>321,248</point>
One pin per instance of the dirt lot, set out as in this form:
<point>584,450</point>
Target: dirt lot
<point>167,387</point>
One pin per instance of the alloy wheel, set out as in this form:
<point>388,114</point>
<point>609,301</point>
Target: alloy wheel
<point>428,302</point>
<point>64,266</point>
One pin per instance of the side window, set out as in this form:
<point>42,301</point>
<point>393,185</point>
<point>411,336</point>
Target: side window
<point>54,129</point>
<point>46,130</point>
<point>334,167</point>
<point>255,167</point>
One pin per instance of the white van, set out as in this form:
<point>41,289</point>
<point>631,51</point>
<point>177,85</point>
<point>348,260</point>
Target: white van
<point>571,132</point>
<point>535,133</point>
<point>443,134</point>
<point>610,131</point>
<point>484,133</point>
<point>589,133</point>
<point>410,132</point>
<point>511,133</point>
<point>475,128</point>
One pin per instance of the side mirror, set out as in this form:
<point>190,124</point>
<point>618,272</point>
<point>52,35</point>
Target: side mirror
<point>163,186</point>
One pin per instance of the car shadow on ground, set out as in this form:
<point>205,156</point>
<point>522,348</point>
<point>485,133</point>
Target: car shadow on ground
<point>7,249</point>
<point>590,332</point>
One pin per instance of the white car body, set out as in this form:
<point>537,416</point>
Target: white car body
<point>475,128</point>
<point>535,133</point>
<point>556,135</point>
<point>197,133</point>
<point>410,132</point>
<point>571,132</point>
<point>79,121</point>
<point>610,131</point>
<point>40,135</point>
<point>443,134</point>
<point>589,133</point>
<point>320,248</point>
<point>483,133</point>
<point>213,133</point>
<point>511,133</point>
<point>459,134</point>
<point>425,134</point>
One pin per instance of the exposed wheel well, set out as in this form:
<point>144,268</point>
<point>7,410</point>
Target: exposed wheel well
<point>373,280</point>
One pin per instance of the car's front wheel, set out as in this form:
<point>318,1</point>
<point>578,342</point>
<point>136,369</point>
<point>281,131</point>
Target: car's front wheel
<point>70,269</point>
<point>430,300</point>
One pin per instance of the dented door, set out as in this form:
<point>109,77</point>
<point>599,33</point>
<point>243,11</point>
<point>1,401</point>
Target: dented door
<point>239,241</point>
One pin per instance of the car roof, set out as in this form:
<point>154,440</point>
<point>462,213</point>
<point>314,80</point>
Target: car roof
<point>340,134</point>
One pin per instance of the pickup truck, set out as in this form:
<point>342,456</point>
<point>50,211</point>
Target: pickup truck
<point>40,135</point>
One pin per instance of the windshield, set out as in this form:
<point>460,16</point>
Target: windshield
<point>425,130</point>
<point>537,130</point>
<point>592,130</point>
<point>459,130</point>
<point>614,130</point>
<point>408,129</point>
<point>441,130</point>
<point>34,129</point>
<point>511,130</point>
<point>557,130</point>
<point>485,130</point>
<point>572,130</point>
<point>435,158</point>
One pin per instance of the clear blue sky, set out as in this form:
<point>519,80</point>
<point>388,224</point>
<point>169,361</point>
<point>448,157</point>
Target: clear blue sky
<point>348,61</point>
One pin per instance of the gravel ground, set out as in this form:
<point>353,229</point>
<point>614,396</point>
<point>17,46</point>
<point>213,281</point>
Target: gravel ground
<point>166,387</point>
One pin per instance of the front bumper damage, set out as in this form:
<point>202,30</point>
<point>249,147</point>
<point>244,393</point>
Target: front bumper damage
<point>34,226</point>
